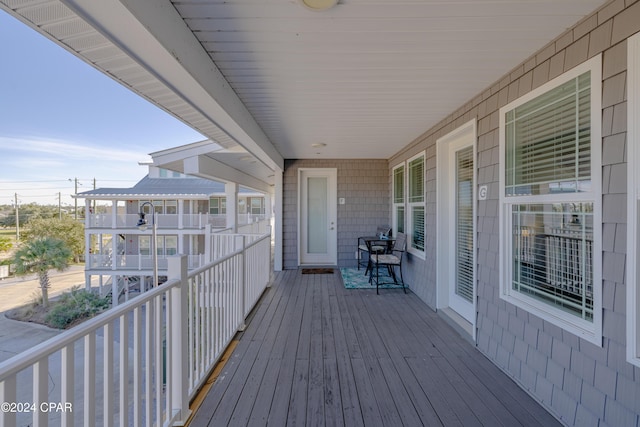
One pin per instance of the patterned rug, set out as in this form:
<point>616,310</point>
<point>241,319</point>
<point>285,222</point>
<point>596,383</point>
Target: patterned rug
<point>356,279</point>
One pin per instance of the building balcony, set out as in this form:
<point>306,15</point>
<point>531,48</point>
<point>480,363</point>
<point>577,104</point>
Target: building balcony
<point>309,351</point>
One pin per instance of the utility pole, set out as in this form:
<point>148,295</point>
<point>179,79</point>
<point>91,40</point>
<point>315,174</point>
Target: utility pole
<point>75,211</point>
<point>17,219</point>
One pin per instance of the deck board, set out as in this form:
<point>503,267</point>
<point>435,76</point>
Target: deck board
<point>315,353</point>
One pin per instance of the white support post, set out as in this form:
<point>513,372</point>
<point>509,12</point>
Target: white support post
<point>231,190</point>
<point>243,282</point>
<point>180,214</point>
<point>208,241</point>
<point>277,221</point>
<point>177,269</point>
<point>114,214</point>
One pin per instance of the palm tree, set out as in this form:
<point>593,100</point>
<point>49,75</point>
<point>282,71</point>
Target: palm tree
<point>39,256</point>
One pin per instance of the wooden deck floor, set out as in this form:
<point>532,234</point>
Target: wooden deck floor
<point>317,354</point>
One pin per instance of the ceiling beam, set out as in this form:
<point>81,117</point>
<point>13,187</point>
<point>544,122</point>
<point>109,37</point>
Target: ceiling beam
<point>208,168</point>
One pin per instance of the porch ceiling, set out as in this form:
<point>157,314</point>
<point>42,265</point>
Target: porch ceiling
<point>271,78</point>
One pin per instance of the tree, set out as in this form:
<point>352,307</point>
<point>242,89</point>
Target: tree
<point>39,256</point>
<point>70,231</point>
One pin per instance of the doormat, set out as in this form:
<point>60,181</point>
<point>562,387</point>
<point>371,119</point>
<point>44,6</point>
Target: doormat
<point>356,279</point>
<point>317,271</point>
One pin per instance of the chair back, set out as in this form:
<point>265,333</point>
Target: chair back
<point>400,244</point>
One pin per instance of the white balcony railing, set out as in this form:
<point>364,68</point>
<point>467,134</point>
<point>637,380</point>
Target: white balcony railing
<point>142,362</point>
<point>136,262</point>
<point>130,221</point>
<point>170,221</point>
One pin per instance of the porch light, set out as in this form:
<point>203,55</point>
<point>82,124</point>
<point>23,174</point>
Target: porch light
<point>319,5</point>
<point>142,226</point>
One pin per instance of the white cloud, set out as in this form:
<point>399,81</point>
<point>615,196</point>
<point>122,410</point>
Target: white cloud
<point>71,150</point>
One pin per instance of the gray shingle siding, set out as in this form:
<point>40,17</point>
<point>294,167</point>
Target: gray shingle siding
<point>579,382</point>
<point>363,183</point>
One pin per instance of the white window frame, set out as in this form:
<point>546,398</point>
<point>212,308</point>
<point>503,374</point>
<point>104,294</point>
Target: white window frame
<point>395,205</point>
<point>633,200</point>
<point>409,205</point>
<point>590,331</point>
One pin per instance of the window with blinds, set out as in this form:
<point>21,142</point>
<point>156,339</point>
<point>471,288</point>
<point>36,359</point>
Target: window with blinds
<point>552,200</point>
<point>398,199</point>
<point>415,202</point>
<point>548,141</point>
<point>464,224</point>
<point>416,180</point>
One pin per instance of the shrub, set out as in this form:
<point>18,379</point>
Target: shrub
<point>76,305</point>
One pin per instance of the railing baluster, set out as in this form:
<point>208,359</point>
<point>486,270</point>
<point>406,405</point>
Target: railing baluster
<point>8,389</point>
<point>159,358</point>
<point>40,391</point>
<point>67,385</point>
<point>137,366</point>
<point>148,351</point>
<point>124,370</point>
<point>107,379</point>
<point>90,378</point>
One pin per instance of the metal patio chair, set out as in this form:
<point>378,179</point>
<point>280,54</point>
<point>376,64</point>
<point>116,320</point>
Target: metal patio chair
<point>389,259</point>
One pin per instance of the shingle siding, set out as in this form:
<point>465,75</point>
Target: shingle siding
<point>365,187</point>
<point>581,383</point>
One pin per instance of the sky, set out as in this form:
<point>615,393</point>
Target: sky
<point>62,120</point>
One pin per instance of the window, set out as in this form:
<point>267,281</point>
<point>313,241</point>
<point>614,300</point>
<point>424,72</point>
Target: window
<point>398,200</point>
<point>171,207</point>
<point>217,206</point>
<point>170,245</point>
<point>256,206</point>
<point>415,204</point>
<point>144,245</point>
<point>550,195</point>
<point>633,201</point>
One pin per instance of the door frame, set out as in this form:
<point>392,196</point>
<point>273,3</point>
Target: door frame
<point>332,215</point>
<point>460,138</point>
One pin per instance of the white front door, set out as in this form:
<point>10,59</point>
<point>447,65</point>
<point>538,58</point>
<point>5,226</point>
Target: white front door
<point>317,234</point>
<point>456,225</point>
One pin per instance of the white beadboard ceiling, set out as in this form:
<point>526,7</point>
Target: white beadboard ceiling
<point>266,79</point>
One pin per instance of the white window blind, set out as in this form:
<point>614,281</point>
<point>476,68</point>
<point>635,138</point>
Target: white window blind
<point>416,180</point>
<point>398,185</point>
<point>398,199</point>
<point>415,201</point>
<point>464,223</point>
<point>548,141</point>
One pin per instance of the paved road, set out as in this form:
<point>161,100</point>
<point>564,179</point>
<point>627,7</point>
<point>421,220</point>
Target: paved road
<point>16,337</point>
<point>15,292</point>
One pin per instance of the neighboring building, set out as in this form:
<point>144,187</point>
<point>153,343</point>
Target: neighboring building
<point>187,210</point>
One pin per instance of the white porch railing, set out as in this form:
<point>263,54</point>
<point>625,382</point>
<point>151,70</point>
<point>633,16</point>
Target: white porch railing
<point>136,262</point>
<point>123,221</point>
<point>142,362</point>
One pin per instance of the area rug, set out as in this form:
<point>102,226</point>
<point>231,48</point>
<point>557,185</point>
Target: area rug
<point>356,279</point>
<point>317,271</point>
